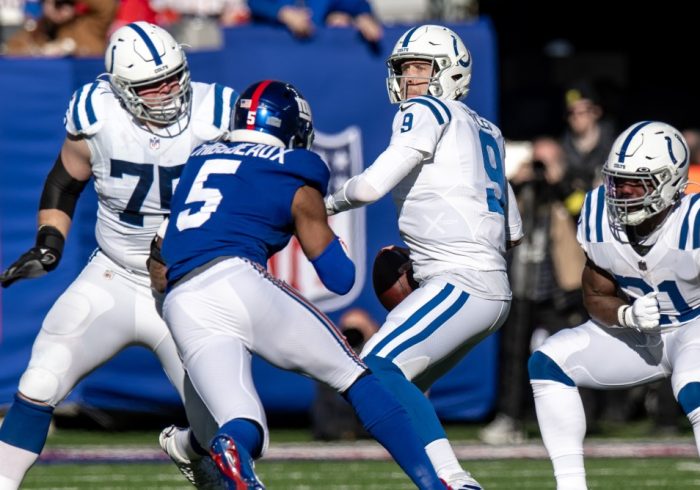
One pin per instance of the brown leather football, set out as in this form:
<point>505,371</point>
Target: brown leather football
<point>392,276</point>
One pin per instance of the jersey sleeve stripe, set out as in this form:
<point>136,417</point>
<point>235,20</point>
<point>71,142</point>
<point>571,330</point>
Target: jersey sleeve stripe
<point>685,227</point>
<point>433,109</point>
<point>441,104</point>
<point>587,217</point>
<point>76,103</point>
<point>218,104</point>
<point>600,201</point>
<point>92,119</point>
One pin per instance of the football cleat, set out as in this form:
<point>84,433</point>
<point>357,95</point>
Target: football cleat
<point>501,431</point>
<point>463,481</point>
<point>203,473</point>
<point>235,464</point>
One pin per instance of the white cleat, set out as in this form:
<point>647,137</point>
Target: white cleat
<point>503,430</point>
<point>463,481</point>
<point>201,473</point>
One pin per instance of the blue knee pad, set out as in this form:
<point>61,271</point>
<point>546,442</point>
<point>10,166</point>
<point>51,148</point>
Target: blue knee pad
<point>26,425</point>
<point>542,367</point>
<point>246,433</point>
<point>689,397</point>
<point>418,406</point>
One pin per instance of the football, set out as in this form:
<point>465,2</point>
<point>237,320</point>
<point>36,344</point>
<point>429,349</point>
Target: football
<point>392,276</point>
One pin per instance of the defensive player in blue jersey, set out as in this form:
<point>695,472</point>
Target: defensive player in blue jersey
<point>641,236</point>
<point>238,202</point>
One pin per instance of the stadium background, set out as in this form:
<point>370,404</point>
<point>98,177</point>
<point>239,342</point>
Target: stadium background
<point>525,53</point>
<point>345,86</point>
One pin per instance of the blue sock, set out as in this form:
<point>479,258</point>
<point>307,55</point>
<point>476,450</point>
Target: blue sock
<point>419,408</point>
<point>387,421</point>
<point>26,425</point>
<point>246,433</point>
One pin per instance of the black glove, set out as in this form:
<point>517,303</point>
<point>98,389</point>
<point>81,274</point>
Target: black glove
<point>38,260</point>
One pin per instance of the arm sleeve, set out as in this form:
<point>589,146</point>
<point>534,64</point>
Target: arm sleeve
<point>388,169</point>
<point>514,222</point>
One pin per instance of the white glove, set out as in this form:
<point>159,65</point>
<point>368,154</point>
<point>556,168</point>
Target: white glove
<point>641,315</point>
<point>329,201</point>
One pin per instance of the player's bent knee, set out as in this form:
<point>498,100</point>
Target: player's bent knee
<point>542,367</point>
<point>380,365</point>
<point>39,385</point>
<point>689,397</point>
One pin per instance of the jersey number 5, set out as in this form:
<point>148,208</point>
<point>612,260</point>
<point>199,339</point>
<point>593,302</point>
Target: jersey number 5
<point>208,196</point>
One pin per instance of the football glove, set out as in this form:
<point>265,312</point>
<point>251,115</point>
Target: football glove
<point>38,260</point>
<point>641,315</point>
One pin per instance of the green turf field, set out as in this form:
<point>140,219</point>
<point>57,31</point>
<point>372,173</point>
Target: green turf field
<point>613,474</point>
<point>670,473</point>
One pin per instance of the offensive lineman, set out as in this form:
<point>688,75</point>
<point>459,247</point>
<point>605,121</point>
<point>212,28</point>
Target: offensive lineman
<point>641,236</point>
<point>457,215</point>
<point>223,305</point>
<point>133,134</point>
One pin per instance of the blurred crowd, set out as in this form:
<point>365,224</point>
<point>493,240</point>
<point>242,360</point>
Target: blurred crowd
<point>55,28</point>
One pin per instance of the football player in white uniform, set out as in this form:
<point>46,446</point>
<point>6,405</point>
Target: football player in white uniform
<point>132,132</point>
<point>457,214</point>
<point>641,236</point>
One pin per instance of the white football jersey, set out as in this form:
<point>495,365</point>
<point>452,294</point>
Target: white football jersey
<point>671,266</point>
<point>136,171</point>
<point>456,210</point>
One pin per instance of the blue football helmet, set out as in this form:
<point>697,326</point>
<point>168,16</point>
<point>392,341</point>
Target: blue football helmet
<point>273,113</point>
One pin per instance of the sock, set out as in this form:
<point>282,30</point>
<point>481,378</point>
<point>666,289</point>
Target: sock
<point>22,437</point>
<point>388,422</point>
<point>443,459</point>
<point>419,408</point>
<point>562,424</point>
<point>246,433</point>
<point>694,418</point>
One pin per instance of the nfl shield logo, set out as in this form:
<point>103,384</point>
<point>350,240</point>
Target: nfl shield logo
<point>342,152</point>
<point>154,143</point>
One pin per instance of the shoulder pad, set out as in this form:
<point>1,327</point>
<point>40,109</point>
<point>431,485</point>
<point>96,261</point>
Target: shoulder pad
<point>211,109</point>
<point>592,215</point>
<point>87,108</point>
<point>431,104</point>
<point>311,168</point>
<point>689,237</point>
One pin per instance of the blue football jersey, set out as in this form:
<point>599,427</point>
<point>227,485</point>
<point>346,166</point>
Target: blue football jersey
<point>234,200</point>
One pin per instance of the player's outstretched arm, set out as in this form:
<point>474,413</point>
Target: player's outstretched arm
<point>62,187</point>
<point>395,163</point>
<point>319,243</point>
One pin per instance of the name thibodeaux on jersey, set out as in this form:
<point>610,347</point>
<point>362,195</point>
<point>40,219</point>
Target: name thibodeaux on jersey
<point>273,153</point>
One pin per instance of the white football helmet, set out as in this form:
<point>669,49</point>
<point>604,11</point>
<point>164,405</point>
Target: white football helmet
<point>141,55</point>
<point>656,155</point>
<point>452,63</point>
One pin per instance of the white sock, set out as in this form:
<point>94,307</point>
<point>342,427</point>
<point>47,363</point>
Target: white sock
<point>562,424</point>
<point>14,464</point>
<point>182,438</point>
<point>443,458</point>
<point>694,418</point>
